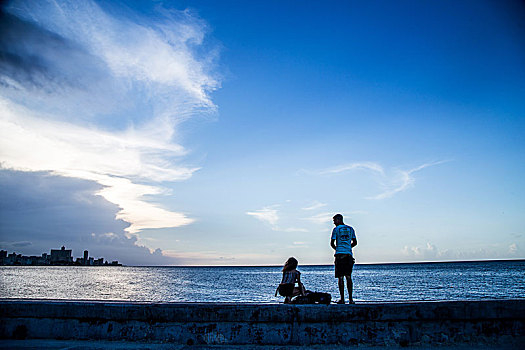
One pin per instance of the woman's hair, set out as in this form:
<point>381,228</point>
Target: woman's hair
<point>290,264</point>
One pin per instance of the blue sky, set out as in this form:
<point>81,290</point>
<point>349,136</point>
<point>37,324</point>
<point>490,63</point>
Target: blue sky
<point>230,132</point>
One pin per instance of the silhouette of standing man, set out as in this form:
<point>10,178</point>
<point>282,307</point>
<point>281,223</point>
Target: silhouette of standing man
<point>343,240</point>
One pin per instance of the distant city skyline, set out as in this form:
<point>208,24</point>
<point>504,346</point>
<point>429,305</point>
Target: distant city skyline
<point>60,256</point>
<point>230,133</point>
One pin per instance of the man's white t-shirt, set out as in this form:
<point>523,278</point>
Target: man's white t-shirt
<point>343,235</point>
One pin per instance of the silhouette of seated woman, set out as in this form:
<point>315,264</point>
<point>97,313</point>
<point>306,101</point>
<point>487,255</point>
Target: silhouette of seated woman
<point>291,276</point>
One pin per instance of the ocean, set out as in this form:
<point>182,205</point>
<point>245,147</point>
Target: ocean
<point>372,283</point>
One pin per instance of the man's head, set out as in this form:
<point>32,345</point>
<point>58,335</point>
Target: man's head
<point>338,219</point>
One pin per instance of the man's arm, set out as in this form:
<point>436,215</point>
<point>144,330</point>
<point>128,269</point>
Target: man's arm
<point>354,242</point>
<point>332,244</point>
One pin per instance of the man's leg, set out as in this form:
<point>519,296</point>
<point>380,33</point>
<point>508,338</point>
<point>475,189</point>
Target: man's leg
<point>350,286</point>
<point>342,289</point>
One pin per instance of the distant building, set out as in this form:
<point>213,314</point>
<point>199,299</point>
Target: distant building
<point>62,256</point>
<point>33,260</point>
<point>13,259</point>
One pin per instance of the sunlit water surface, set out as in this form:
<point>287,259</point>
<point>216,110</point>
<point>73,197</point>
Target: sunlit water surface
<point>395,282</point>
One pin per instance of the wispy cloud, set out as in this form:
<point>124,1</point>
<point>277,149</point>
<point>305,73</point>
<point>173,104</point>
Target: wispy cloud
<point>392,182</point>
<point>321,218</point>
<point>266,214</point>
<point>354,166</point>
<point>402,180</point>
<point>314,206</point>
<point>270,216</point>
<point>96,96</point>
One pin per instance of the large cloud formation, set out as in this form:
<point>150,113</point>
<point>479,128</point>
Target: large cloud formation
<point>96,93</point>
<point>44,211</point>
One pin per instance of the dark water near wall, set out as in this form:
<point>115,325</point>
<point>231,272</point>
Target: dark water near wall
<point>389,282</point>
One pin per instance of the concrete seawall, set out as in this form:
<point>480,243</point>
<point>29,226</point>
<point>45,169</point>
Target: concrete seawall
<point>451,322</point>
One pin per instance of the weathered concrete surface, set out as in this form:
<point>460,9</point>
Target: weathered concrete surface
<point>371,324</point>
<point>45,344</point>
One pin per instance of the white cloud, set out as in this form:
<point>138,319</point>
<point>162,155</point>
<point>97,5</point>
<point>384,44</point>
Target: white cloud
<point>402,180</point>
<point>134,209</point>
<point>352,166</point>
<point>159,52</point>
<point>321,218</point>
<point>267,214</point>
<point>270,216</point>
<point>392,182</point>
<point>427,252</point>
<point>29,143</point>
<point>99,96</point>
<point>314,206</point>
<point>40,211</point>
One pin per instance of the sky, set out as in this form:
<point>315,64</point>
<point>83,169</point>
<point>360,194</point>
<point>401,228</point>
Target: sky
<point>229,133</point>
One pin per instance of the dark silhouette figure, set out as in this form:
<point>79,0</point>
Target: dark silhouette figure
<point>291,276</point>
<point>343,240</point>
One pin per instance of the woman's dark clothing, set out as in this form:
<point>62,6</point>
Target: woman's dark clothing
<point>287,285</point>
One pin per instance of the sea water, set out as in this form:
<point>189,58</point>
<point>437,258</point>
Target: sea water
<point>372,283</point>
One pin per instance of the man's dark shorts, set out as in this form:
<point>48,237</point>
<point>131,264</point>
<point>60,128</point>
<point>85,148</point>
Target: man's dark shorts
<point>344,264</point>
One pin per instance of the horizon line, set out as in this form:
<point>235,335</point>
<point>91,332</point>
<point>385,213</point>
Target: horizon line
<point>378,263</point>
